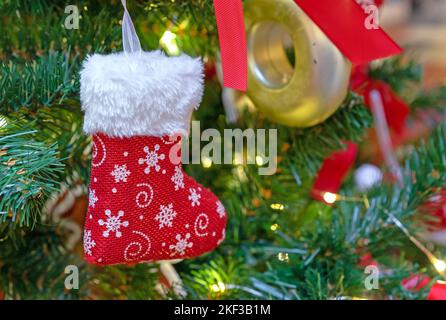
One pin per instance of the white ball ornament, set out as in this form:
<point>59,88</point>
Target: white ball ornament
<point>367,176</point>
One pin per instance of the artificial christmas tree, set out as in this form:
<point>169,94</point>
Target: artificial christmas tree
<point>280,243</point>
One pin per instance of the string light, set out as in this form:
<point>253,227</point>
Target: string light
<point>169,43</point>
<point>277,206</point>
<point>283,256</point>
<point>329,197</point>
<point>439,265</point>
<point>274,227</point>
<point>206,162</point>
<point>219,287</point>
<point>260,161</point>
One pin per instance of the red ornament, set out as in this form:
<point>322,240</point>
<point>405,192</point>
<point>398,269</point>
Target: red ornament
<point>438,291</point>
<point>333,171</point>
<point>143,207</point>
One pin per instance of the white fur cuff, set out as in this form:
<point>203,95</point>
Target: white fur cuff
<point>140,94</point>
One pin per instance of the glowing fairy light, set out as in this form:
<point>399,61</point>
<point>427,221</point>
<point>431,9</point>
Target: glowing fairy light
<point>260,161</point>
<point>283,256</point>
<point>219,287</point>
<point>277,206</point>
<point>439,265</point>
<point>330,197</point>
<point>206,162</point>
<point>169,43</point>
<point>274,227</point>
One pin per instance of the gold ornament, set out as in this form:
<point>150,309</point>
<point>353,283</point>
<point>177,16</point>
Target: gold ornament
<point>296,75</point>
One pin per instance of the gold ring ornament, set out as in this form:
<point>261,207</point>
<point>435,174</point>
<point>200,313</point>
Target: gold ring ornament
<point>296,75</point>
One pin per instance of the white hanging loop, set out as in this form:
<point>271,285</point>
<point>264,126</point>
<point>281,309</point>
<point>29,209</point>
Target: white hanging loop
<point>383,135</point>
<point>130,40</point>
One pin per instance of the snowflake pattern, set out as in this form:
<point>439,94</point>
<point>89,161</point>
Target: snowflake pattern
<point>177,178</point>
<point>194,197</point>
<point>223,236</point>
<point>89,243</point>
<point>120,173</point>
<point>221,209</point>
<point>151,159</point>
<point>113,223</point>
<point>181,245</point>
<point>166,216</point>
<point>92,198</point>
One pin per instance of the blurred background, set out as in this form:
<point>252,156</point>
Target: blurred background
<point>420,27</point>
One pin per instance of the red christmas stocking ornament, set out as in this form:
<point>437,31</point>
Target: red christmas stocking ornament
<point>142,206</point>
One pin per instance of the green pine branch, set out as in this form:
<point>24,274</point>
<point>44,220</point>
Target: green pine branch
<point>48,81</point>
<point>335,238</point>
<point>29,171</point>
<point>34,267</point>
<point>35,28</point>
<point>399,72</point>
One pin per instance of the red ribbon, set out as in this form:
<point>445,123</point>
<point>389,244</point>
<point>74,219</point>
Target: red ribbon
<point>343,21</point>
<point>333,171</point>
<point>395,109</point>
<point>231,33</point>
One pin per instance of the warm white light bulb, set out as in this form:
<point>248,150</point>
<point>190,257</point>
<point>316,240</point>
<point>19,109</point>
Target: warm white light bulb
<point>277,206</point>
<point>439,265</point>
<point>259,160</point>
<point>207,162</point>
<point>168,42</point>
<point>329,197</point>
<point>219,287</point>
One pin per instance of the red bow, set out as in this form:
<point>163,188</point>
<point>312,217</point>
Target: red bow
<point>395,109</point>
<point>341,20</point>
<point>333,171</point>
